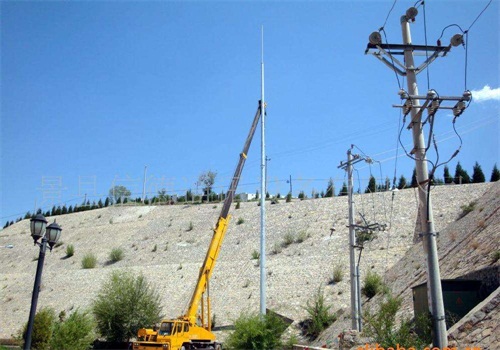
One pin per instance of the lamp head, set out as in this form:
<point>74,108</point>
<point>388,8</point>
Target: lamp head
<point>37,227</point>
<point>53,233</point>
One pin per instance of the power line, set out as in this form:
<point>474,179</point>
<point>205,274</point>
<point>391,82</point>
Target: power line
<point>480,14</point>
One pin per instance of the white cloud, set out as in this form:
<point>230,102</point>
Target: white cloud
<point>486,94</point>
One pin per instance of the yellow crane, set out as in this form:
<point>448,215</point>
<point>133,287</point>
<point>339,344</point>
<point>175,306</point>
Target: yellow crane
<point>193,330</point>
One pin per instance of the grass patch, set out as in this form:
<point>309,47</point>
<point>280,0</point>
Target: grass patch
<point>116,255</point>
<point>466,209</point>
<point>276,249</point>
<point>255,255</point>
<point>155,248</point>
<point>240,221</point>
<point>337,275</point>
<point>301,237</point>
<point>89,261</point>
<point>190,226</point>
<point>372,285</point>
<point>70,250</point>
<point>495,256</point>
<point>288,240</point>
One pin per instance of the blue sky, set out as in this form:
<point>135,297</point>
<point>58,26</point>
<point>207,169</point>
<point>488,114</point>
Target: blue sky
<point>93,91</point>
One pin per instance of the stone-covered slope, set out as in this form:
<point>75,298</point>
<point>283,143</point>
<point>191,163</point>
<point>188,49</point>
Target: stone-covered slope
<point>157,242</point>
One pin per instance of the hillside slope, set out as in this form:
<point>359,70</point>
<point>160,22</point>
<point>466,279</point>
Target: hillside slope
<point>466,245</point>
<point>293,274</point>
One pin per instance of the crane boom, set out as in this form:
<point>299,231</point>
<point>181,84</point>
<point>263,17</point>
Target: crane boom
<point>219,233</point>
<point>184,333</point>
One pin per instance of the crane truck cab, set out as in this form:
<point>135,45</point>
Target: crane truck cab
<point>175,335</point>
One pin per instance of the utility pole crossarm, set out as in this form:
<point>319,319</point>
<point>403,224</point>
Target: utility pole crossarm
<point>379,49</point>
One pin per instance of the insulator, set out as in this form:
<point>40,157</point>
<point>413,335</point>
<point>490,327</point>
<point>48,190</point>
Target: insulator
<point>411,13</point>
<point>375,38</point>
<point>457,40</point>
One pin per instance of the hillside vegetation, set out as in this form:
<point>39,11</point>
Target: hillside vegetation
<point>168,244</point>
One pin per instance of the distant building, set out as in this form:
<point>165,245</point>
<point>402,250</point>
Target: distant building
<point>245,197</point>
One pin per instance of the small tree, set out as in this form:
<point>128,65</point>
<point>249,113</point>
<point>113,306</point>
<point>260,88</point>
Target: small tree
<point>495,174</point>
<point>254,332</point>
<point>446,174</point>
<point>320,316</point>
<point>343,190</point>
<point>75,333</point>
<point>477,174</point>
<point>372,185</point>
<point>402,182</point>
<point>330,189</point>
<point>414,181</point>
<point>207,179</point>
<point>43,326</point>
<point>381,327</point>
<point>461,175</point>
<point>119,193</point>
<point>125,304</point>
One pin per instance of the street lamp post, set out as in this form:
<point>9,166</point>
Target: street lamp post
<point>49,234</point>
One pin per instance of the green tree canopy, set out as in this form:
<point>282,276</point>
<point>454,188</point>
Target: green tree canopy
<point>125,304</point>
<point>477,174</point>
<point>402,182</point>
<point>446,174</point>
<point>330,190</point>
<point>495,174</point>
<point>372,185</point>
<point>414,182</point>
<point>207,179</point>
<point>119,192</point>
<point>343,190</point>
<point>461,175</point>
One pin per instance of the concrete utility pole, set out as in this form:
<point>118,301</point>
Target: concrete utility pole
<point>263,189</point>
<point>354,266</point>
<point>412,105</point>
<point>440,338</point>
<point>355,296</point>
<point>144,185</point>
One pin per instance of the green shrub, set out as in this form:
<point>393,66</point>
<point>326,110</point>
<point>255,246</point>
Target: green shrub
<point>70,250</point>
<point>75,333</point>
<point>191,226</point>
<point>373,284</point>
<point>466,209</point>
<point>237,205</point>
<point>381,327</point>
<point>276,248</point>
<point>124,304</point>
<point>319,313</point>
<point>43,326</point>
<point>288,198</point>
<point>301,237</point>
<point>89,261</point>
<point>155,248</point>
<point>496,256</point>
<point>254,332</point>
<point>364,236</point>
<point>288,239</point>
<point>116,255</point>
<point>240,221</point>
<point>255,255</point>
<point>338,274</point>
